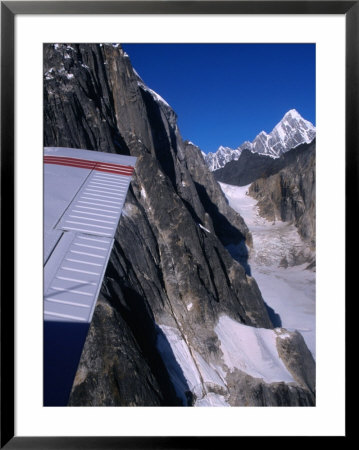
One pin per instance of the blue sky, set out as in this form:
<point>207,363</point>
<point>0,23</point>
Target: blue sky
<point>225,94</point>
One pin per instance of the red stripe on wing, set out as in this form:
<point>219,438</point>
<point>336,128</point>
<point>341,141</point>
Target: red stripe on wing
<point>118,169</point>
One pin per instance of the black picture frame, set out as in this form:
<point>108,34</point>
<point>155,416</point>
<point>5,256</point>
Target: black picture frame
<point>9,10</point>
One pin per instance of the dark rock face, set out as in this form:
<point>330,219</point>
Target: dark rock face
<point>245,170</point>
<point>289,195</point>
<point>169,266</point>
<point>227,223</point>
<point>254,392</point>
<point>251,166</point>
<point>123,364</point>
<point>298,360</point>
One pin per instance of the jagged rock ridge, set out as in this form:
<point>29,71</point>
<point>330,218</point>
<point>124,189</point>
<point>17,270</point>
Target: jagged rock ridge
<point>169,273</point>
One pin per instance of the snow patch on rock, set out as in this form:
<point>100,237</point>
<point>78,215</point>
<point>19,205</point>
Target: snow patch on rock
<point>179,362</point>
<point>188,370</point>
<point>143,193</point>
<point>204,228</point>
<point>154,94</point>
<point>251,350</point>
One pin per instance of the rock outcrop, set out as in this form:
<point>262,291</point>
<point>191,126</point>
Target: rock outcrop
<point>289,194</point>
<point>226,221</point>
<point>170,276</point>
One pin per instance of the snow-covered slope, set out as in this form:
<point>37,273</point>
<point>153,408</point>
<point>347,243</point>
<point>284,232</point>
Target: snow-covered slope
<point>290,132</point>
<point>252,350</point>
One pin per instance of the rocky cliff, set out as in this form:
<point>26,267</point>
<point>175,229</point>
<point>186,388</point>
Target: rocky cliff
<point>289,194</point>
<point>170,279</point>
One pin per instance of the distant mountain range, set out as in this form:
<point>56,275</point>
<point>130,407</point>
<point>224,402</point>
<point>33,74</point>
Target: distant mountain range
<point>290,132</point>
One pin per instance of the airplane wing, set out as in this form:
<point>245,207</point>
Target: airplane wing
<point>84,193</point>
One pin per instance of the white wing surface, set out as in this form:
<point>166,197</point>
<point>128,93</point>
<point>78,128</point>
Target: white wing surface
<point>84,193</point>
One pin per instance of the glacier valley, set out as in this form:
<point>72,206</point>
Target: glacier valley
<point>289,291</point>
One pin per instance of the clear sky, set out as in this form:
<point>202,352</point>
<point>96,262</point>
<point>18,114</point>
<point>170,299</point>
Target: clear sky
<point>225,94</point>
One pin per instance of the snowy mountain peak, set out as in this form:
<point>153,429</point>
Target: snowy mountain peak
<point>221,157</point>
<point>292,113</point>
<point>293,116</point>
<point>290,132</point>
